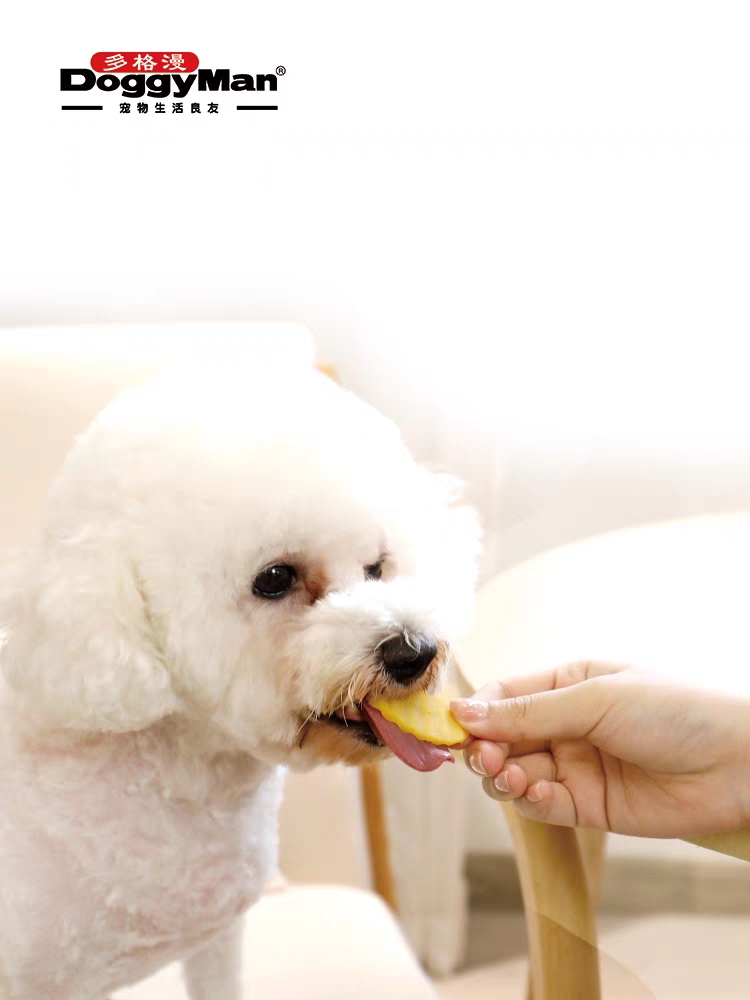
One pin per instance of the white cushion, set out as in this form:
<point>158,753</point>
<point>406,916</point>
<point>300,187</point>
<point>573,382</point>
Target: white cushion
<point>315,943</point>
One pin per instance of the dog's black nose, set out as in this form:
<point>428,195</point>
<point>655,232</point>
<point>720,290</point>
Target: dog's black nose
<point>405,659</point>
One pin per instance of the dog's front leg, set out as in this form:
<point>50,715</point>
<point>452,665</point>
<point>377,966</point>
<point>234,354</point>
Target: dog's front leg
<point>215,972</point>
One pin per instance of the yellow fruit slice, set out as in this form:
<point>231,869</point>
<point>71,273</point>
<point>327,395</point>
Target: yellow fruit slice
<point>426,716</point>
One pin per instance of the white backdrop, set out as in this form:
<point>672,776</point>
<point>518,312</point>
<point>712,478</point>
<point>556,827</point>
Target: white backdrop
<point>512,226</point>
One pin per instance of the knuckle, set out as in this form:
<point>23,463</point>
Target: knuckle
<point>535,810</point>
<point>520,709</point>
<point>581,670</point>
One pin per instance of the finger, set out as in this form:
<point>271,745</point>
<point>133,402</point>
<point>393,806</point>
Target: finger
<point>510,784</point>
<point>519,774</point>
<point>560,677</point>
<point>546,680</point>
<point>523,686</point>
<point>548,802</point>
<point>569,713</point>
<point>486,758</point>
<point>490,691</point>
<point>536,766</point>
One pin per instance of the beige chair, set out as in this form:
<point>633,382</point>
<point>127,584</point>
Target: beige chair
<point>673,596</point>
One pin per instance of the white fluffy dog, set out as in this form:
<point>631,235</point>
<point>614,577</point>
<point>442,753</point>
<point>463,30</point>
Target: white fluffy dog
<point>232,565</point>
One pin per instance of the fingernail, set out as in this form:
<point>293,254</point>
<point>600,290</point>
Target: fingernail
<point>534,794</point>
<point>470,710</point>
<point>475,763</point>
<point>501,782</point>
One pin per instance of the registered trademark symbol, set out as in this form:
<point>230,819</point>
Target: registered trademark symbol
<point>280,70</point>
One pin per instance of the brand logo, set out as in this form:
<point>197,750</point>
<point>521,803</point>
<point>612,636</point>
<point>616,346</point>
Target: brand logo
<point>140,76</point>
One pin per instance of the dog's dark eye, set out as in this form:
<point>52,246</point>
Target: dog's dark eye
<point>274,582</point>
<point>375,571</point>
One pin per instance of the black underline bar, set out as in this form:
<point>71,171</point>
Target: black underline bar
<point>83,107</point>
<point>257,107</point>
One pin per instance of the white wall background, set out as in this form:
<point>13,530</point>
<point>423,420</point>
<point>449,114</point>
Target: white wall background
<point>520,229</point>
<point>508,224</point>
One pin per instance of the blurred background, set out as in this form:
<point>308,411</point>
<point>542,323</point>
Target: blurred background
<point>521,231</point>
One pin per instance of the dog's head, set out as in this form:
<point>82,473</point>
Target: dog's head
<point>259,553</point>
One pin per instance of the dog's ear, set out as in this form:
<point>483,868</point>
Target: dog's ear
<point>77,643</point>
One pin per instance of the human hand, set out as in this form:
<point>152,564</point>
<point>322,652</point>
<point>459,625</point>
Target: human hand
<point>596,745</point>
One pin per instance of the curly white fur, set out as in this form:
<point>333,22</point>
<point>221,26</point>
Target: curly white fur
<point>148,696</point>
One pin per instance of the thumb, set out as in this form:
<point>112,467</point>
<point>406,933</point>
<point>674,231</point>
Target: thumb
<point>566,713</point>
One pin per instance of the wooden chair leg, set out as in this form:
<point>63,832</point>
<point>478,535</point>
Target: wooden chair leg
<point>563,957</point>
<point>377,834</point>
<point>592,845</point>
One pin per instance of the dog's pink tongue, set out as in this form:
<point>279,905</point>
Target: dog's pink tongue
<point>420,755</point>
